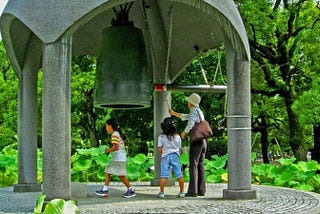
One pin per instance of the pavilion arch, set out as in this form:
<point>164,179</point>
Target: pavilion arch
<point>46,34</point>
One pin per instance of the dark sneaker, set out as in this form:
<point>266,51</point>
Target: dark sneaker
<point>191,195</point>
<point>103,193</point>
<point>129,194</point>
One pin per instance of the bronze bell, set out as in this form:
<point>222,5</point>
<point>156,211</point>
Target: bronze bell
<point>121,75</point>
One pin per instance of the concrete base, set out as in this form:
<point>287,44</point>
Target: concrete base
<point>156,182</point>
<point>78,190</point>
<point>239,194</point>
<point>27,188</point>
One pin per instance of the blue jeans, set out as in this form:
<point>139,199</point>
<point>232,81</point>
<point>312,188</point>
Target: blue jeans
<point>171,160</point>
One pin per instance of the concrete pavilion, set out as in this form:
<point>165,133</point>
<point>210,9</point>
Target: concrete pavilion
<point>45,34</point>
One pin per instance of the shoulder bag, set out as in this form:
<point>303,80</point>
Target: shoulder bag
<point>200,131</point>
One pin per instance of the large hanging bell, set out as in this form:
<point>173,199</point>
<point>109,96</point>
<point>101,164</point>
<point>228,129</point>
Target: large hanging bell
<point>121,75</point>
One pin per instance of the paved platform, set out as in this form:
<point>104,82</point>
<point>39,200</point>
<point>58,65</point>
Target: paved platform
<point>269,200</point>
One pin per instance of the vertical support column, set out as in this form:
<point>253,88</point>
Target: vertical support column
<point>27,120</point>
<point>239,128</point>
<point>56,136</point>
<point>155,35</point>
<point>160,110</point>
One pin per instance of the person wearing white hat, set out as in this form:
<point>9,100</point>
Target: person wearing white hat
<point>197,185</point>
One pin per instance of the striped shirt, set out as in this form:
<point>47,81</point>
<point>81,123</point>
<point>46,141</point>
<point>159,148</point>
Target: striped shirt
<point>120,154</point>
<point>193,117</point>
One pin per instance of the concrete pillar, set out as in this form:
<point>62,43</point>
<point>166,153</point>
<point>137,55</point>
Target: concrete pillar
<point>238,128</point>
<point>27,120</point>
<point>56,130</point>
<point>156,34</point>
<point>160,109</point>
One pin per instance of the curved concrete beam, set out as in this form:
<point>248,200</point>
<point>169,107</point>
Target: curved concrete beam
<point>203,23</point>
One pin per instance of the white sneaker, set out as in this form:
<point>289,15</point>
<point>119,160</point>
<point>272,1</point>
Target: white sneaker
<point>160,195</point>
<point>181,195</point>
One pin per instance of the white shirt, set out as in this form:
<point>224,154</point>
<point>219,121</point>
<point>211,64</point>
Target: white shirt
<point>169,146</point>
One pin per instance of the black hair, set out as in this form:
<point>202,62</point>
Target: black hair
<point>168,127</point>
<point>116,127</point>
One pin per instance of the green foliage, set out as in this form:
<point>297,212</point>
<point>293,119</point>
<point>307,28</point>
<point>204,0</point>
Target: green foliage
<point>8,165</point>
<point>137,145</point>
<point>184,159</point>
<point>39,204</point>
<point>315,183</point>
<point>288,173</point>
<point>139,168</point>
<point>262,173</point>
<point>212,104</point>
<point>217,146</point>
<point>137,125</point>
<point>8,100</point>
<point>89,165</point>
<point>55,206</point>
<point>87,122</point>
<point>215,168</point>
<point>307,106</point>
<point>284,53</point>
<point>39,165</point>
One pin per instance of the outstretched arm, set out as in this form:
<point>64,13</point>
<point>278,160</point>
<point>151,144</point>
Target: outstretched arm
<point>173,113</point>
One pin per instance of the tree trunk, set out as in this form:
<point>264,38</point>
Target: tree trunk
<point>295,132</point>
<point>264,139</point>
<point>264,145</point>
<point>315,154</point>
<point>260,125</point>
<point>91,119</point>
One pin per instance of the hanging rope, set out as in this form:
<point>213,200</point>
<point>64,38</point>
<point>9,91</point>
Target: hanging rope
<point>222,124</point>
<point>169,42</point>
<point>166,75</point>
<point>203,73</point>
<point>161,88</point>
<point>224,120</point>
<point>218,68</point>
<point>147,27</point>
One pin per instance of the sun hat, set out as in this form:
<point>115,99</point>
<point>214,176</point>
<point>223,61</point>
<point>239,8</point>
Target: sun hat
<point>194,99</point>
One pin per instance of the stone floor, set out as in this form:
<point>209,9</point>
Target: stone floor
<point>269,200</point>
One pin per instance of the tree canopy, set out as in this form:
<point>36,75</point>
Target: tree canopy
<point>284,44</point>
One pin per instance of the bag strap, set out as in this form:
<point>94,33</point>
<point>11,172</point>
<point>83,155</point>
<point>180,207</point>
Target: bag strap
<point>199,114</point>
